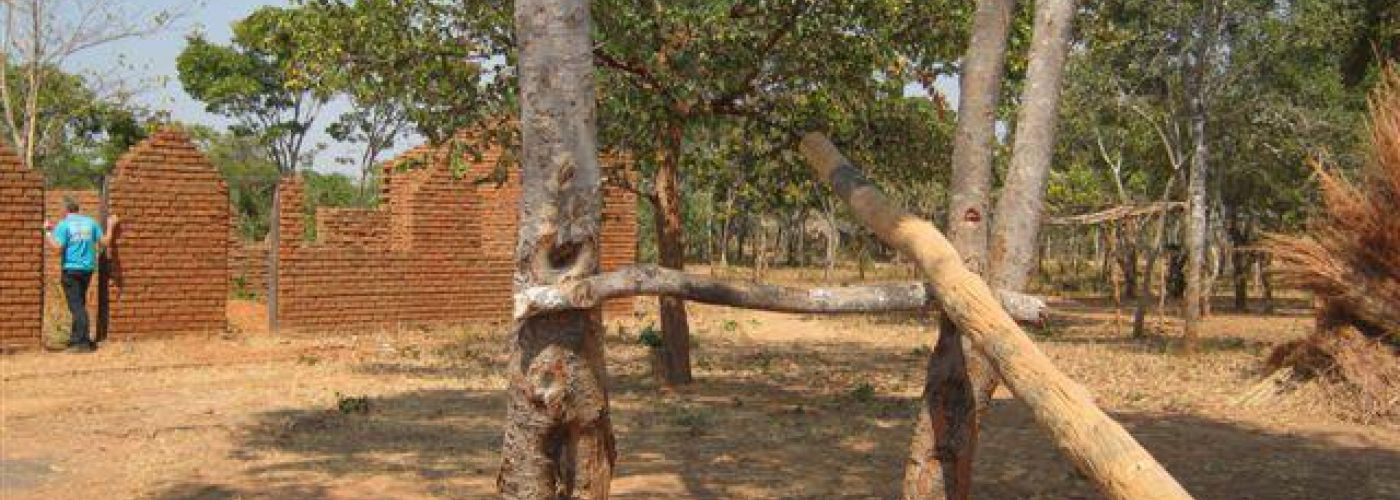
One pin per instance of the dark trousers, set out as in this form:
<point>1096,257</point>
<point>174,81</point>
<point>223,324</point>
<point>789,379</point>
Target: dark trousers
<point>75,286</point>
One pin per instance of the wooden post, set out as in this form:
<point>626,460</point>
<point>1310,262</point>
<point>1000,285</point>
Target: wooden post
<point>1101,448</point>
<point>104,266</point>
<point>274,250</point>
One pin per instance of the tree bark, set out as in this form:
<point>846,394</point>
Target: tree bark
<point>833,237</point>
<point>1196,223</point>
<point>558,439</point>
<point>1266,282</point>
<point>1101,448</point>
<point>670,247</point>
<point>941,454</point>
<point>1022,202</point>
<point>1241,264</point>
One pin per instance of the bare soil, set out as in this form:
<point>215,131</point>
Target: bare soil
<point>784,407</point>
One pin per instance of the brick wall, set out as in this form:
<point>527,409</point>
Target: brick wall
<point>408,261</point>
<point>247,266</point>
<point>21,252</point>
<point>441,248</point>
<point>171,273</point>
<point>618,241</point>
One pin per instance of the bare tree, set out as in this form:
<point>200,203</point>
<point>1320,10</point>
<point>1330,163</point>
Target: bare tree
<point>558,438</point>
<point>41,35</point>
<point>1019,210</point>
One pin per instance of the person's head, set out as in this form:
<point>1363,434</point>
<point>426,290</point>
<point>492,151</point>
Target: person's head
<point>70,205</point>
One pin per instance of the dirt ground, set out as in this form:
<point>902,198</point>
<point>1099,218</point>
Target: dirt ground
<point>785,407</point>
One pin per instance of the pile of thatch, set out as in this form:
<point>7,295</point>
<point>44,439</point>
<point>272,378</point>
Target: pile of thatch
<point>1350,259</point>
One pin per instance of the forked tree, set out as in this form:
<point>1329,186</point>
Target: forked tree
<point>558,439</point>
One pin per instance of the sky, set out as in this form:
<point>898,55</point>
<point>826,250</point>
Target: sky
<point>149,63</point>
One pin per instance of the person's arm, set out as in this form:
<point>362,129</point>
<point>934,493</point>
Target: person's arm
<point>53,235</point>
<point>110,232</point>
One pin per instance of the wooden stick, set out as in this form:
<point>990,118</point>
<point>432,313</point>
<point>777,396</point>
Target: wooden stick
<point>1101,448</point>
<point>1117,213</point>
<point>653,280</point>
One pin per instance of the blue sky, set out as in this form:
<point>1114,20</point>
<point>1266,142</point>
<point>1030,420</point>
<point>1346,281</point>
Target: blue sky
<point>150,64</point>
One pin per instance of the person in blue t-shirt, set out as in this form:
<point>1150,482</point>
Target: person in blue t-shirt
<point>78,239</point>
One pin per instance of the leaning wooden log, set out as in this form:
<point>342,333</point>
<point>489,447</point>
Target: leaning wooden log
<point>656,281</point>
<point>1101,448</point>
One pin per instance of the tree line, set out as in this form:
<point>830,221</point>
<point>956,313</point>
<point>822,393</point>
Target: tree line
<point>1216,103</point>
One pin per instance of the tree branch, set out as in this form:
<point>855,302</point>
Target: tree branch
<point>647,280</point>
<point>1120,212</point>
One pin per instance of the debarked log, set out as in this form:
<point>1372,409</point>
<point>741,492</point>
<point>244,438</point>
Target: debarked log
<point>1095,443</point>
<point>647,280</point>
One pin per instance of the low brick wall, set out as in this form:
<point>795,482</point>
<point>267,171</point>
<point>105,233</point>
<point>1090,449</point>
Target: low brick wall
<point>247,267</point>
<point>440,249</point>
<point>21,252</point>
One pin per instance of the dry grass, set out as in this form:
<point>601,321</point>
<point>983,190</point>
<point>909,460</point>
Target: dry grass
<point>786,407</point>
<point>1351,254</point>
<point>1350,258</point>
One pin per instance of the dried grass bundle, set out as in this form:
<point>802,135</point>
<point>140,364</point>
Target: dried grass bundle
<point>1350,259</point>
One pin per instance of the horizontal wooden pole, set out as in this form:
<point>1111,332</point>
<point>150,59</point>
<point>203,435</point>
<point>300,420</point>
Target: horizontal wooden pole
<point>1101,448</point>
<point>646,280</point>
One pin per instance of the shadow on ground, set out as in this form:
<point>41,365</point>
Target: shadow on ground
<point>762,430</point>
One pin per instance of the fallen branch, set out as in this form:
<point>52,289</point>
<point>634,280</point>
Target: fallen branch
<point>1097,445</point>
<point>653,280</point>
<point>1117,213</point>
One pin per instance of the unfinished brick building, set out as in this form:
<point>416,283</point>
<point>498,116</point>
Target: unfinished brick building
<point>171,258</point>
<point>21,252</point>
<point>440,248</point>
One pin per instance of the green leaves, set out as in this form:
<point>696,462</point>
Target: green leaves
<point>259,82</point>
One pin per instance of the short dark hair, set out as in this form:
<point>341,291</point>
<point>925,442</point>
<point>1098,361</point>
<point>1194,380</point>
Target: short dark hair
<point>71,204</point>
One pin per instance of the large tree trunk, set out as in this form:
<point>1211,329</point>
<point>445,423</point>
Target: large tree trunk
<point>1097,445</point>
<point>945,436</point>
<point>1022,202</point>
<point>558,439</point>
<point>670,248</point>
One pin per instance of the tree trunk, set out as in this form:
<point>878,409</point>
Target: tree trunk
<point>1240,259</point>
<point>558,439</point>
<point>1215,256</point>
<point>1196,223</point>
<point>1022,203</point>
<point>1115,276</point>
<point>945,437</point>
<point>1144,298</point>
<point>1266,282</point>
<point>801,234</point>
<point>670,249</point>
<point>1098,446</point>
<point>726,228</point>
<point>833,237</point>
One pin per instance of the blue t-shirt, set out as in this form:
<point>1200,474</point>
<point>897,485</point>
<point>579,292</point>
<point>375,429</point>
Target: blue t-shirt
<point>78,235</point>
